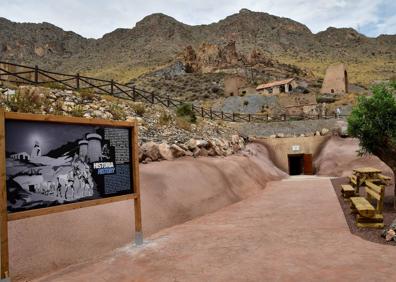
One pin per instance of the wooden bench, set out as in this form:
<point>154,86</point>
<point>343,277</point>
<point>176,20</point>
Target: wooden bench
<point>384,177</point>
<point>347,191</point>
<point>366,214</point>
<point>353,180</point>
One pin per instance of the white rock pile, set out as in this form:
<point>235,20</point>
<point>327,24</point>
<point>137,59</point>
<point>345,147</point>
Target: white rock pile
<point>151,151</point>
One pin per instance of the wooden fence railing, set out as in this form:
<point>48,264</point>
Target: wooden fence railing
<point>21,74</point>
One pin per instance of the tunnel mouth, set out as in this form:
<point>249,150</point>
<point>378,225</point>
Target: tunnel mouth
<point>300,164</point>
<point>296,164</point>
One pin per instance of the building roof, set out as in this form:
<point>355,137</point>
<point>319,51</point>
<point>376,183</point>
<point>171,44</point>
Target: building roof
<point>274,83</point>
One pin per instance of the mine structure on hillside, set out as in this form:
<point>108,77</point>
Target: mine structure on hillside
<point>336,80</point>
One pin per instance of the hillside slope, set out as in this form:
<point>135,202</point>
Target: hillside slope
<point>157,39</point>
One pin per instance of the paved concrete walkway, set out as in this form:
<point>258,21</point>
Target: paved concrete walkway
<point>291,231</point>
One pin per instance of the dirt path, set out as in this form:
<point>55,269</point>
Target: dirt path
<point>294,230</point>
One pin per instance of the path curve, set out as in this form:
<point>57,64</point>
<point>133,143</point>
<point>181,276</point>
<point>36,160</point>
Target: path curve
<point>293,230</point>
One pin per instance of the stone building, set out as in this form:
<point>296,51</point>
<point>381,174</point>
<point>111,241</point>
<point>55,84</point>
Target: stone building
<point>22,156</point>
<point>336,80</point>
<point>276,87</point>
<point>233,83</point>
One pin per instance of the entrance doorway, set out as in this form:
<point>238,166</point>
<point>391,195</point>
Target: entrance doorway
<point>300,164</point>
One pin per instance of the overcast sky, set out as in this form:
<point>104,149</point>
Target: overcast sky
<point>93,18</point>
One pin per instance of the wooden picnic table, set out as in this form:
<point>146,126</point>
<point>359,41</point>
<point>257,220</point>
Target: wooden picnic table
<point>367,174</point>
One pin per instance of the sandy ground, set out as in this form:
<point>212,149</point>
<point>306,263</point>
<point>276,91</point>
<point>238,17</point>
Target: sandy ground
<point>173,192</point>
<point>293,230</point>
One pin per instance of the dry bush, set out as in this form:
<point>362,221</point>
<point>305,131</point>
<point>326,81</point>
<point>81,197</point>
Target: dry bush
<point>77,111</point>
<point>27,100</point>
<point>164,118</point>
<point>117,112</point>
<point>87,94</point>
<point>183,123</point>
<point>139,109</point>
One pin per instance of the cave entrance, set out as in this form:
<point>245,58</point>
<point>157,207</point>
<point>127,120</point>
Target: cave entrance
<point>300,164</point>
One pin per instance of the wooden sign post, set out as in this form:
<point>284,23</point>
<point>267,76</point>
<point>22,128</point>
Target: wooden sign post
<point>51,164</point>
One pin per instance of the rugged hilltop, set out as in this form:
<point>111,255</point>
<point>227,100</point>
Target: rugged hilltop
<point>158,39</point>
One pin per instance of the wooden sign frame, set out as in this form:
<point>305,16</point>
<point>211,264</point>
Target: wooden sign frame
<point>5,216</point>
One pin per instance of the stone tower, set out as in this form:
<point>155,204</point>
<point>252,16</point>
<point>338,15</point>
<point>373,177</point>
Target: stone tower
<point>336,80</point>
<point>36,151</point>
<point>94,151</point>
<point>83,149</point>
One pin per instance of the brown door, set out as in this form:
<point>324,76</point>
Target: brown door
<point>308,168</point>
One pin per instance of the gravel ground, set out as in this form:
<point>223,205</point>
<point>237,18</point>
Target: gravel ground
<point>370,234</point>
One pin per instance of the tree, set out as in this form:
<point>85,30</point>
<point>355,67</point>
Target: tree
<point>373,122</point>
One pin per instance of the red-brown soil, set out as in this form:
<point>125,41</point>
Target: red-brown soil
<point>293,230</point>
<point>173,192</point>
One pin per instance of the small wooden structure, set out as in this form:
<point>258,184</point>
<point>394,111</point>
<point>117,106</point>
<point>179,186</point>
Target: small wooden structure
<point>366,214</point>
<point>363,174</point>
<point>347,191</point>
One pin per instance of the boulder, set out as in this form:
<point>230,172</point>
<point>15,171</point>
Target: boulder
<point>280,135</point>
<point>213,152</point>
<point>141,155</point>
<point>202,143</point>
<point>234,139</point>
<point>165,152</point>
<point>201,152</point>
<point>324,131</point>
<point>176,151</point>
<point>191,144</point>
<point>151,150</point>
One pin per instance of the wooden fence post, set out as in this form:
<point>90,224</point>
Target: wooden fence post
<point>152,98</point>
<point>202,111</point>
<point>222,115</point>
<point>112,87</point>
<point>78,81</point>
<point>167,101</point>
<point>249,117</point>
<point>233,116</point>
<point>36,74</point>
<point>211,116</point>
<point>133,93</point>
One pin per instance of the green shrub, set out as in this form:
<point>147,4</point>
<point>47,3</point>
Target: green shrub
<point>185,111</point>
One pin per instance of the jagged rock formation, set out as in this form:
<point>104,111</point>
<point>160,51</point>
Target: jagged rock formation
<point>157,39</point>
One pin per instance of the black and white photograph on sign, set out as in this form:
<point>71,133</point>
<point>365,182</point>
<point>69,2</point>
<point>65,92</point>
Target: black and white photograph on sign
<point>50,164</point>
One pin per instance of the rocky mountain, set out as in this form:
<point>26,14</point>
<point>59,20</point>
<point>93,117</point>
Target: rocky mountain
<point>158,39</point>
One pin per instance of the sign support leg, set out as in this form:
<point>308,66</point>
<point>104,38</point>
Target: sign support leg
<point>3,204</point>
